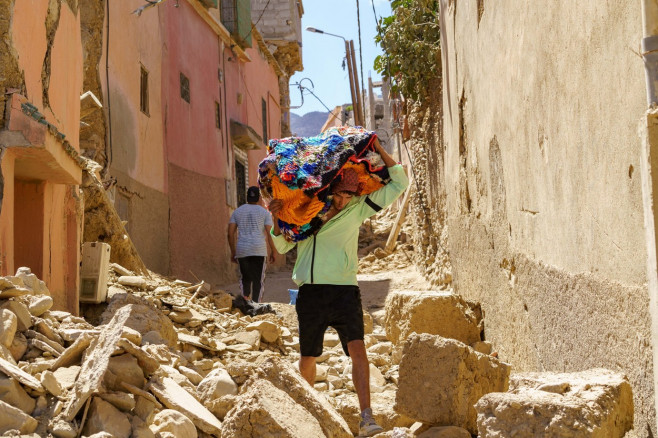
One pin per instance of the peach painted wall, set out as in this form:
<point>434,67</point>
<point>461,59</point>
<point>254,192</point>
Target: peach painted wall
<point>193,142</point>
<point>29,37</point>
<point>7,215</point>
<point>137,138</point>
<point>259,81</point>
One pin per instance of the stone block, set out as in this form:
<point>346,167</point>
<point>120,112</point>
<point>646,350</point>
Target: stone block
<point>50,382</point>
<point>594,403</point>
<point>445,432</point>
<point>173,422</point>
<point>66,376</point>
<point>14,394</point>
<point>269,332</point>
<point>40,305</point>
<point>8,327</point>
<point>249,338</point>
<point>24,318</point>
<point>382,409</point>
<point>265,410</point>
<point>132,281</point>
<point>12,418</point>
<point>103,417</point>
<point>443,314</point>
<point>216,384</point>
<point>175,397</point>
<point>282,375</point>
<point>123,401</point>
<point>18,347</point>
<point>441,379</point>
<point>124,368</point>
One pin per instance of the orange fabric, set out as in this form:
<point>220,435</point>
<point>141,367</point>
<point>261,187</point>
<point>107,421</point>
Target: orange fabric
<point>298,209</point>
<point>367,184</point>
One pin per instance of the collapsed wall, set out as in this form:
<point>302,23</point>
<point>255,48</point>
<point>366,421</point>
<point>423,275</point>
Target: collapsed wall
<point>538,183</point>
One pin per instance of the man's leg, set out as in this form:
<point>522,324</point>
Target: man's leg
<point>360,372</point>
<point>258,278</point>
<point>245,281</point>
<point>307,368</point>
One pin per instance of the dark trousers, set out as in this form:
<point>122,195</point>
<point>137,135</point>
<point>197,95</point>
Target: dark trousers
<point>252,270</point>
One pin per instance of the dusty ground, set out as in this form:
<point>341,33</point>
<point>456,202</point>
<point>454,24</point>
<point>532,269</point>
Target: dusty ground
<point>374,287</point>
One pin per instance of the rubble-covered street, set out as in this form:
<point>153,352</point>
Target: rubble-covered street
<point>166,358</point>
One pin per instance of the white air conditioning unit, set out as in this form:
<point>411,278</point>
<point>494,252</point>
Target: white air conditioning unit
<point>94,271</point>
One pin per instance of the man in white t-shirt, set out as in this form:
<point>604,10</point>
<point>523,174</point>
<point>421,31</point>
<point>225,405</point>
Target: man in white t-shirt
<point>251,224</point>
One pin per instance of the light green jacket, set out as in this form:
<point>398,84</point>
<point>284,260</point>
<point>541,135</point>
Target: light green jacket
<point>330,257</point>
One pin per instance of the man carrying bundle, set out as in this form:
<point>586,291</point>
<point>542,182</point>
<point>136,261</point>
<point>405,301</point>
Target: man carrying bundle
<point>325,270</point>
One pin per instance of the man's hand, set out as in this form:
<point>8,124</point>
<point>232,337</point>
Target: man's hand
<point>233,259</point>
<point>271,259</point>
<point>275,207</point>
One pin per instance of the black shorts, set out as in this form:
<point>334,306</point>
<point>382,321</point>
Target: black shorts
<point>322,305</point>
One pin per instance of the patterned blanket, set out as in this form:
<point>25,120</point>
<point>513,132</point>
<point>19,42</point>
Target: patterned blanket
<point>301,171</point>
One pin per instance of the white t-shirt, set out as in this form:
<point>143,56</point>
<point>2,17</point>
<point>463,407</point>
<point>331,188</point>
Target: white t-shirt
<point>251,221</point>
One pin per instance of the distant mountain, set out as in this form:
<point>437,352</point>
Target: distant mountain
<point>307,125</point>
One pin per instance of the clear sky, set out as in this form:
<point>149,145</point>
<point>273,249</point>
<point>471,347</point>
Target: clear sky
<point>323,54</point>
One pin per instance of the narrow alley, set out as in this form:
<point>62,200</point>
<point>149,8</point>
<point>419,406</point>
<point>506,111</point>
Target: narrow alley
<point>479,177</point>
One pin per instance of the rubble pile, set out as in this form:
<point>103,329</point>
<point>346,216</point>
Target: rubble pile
<point>166,358</point>
<point>373,257</point>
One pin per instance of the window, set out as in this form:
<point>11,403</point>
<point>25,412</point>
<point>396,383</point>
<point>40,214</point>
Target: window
<point>218,115</point>
<point>264,107</point>
<point>241,182</point>
<point>144,91</point>
<point>184,88</point>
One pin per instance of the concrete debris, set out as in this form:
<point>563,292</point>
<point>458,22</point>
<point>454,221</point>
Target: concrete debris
<point>592,403</point>
<point>436,313</point>
<point>445,394</point>
<point>174,359</point>
<point>265,410</point>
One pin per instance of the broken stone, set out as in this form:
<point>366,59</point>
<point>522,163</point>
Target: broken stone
<point>43,346</point>
<point>120,400</point>
<point>222,300</point>
<point>144,318</point>
<point>250,338</point>
<point>198,342</point>
<point>40,305</point>
<point>121,271</point>
<point>103,417</point>
<point>368,323</point>
<point>282,375</point>
<point>32,282</point>
<point>13,292</point>
<point>277,413</point>
<point>331,339</point>
<point>73,353</point>
<point>181,316</point>
<point>63,429</point>
<point>14,394</point>
<point>132,281</point>
<point>21,376</point>
<point>132,335</point>
<point>592,403</point>
<point>52,344</point>
<point>382,409</point>
<point>376,377</point>
<point>175,397</point>
<point>173,422</point>
<point>216,384</point>
<point>441,379</point>
<point>445,432</point>
<point>18,347</point>
<point>97,360</point>
<point>269,331</point>
<point>12,418</point>
<point>50,382</point>
<point>24,319</point>
<point>124,368</point>
<point>147,363</point>
<point>192,375</point>
<point>443,314</point>
<point>483,347</point>
<point>8,326</point>
<point>140,429</point>
<point>45,329</point>
<point>66,376</point>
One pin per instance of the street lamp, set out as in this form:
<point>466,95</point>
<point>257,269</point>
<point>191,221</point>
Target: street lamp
<point>351,69</point>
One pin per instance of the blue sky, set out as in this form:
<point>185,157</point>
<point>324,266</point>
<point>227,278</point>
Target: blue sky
<point>323,54</point>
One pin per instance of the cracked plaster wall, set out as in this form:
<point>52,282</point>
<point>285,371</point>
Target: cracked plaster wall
<point>538,186</point>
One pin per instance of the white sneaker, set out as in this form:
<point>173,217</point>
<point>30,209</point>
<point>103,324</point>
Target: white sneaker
<point>368,426</point>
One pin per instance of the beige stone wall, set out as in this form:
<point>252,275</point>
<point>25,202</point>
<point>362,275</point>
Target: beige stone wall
<point>541,103</point>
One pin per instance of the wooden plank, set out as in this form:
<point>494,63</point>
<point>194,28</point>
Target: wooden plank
<point>399,220</point>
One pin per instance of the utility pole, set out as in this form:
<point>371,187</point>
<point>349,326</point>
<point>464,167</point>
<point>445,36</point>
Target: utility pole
<point>350,71</point>
<point>357,89</point>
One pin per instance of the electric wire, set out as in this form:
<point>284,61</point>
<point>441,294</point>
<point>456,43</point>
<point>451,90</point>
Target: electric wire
<point>253,25</point>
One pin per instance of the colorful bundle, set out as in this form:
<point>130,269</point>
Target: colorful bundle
<point>301,171</point>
